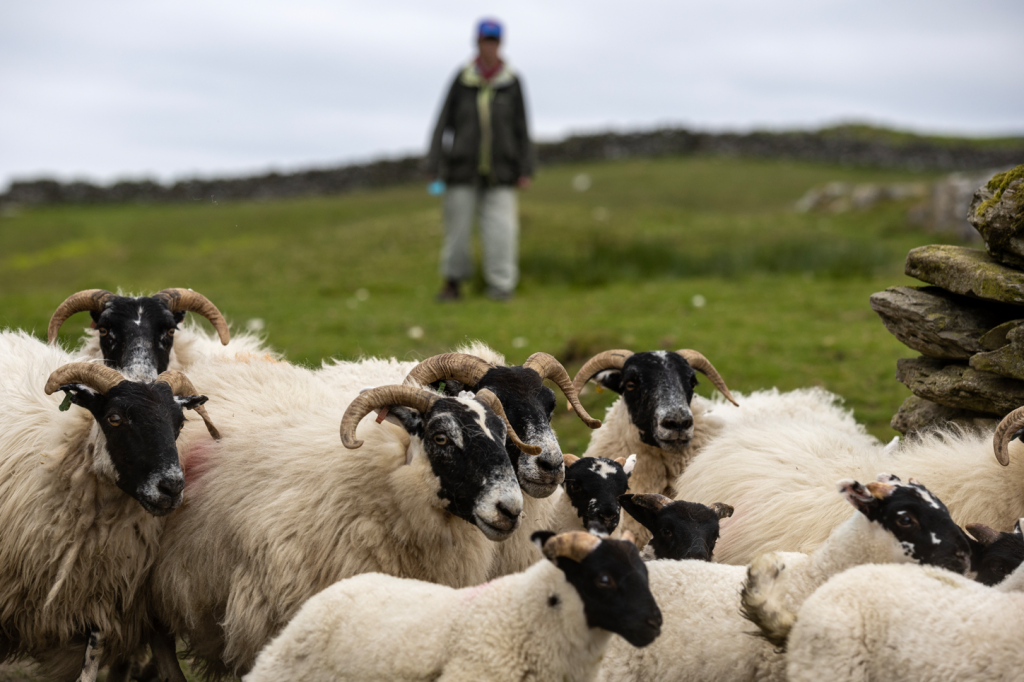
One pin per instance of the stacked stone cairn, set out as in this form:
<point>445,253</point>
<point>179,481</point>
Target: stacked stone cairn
<point>968,324</point>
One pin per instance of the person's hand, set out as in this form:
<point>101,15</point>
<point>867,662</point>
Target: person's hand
<point>523,182</point>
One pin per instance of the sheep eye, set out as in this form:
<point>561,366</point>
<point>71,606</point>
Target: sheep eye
<point>170,332</point>
<point>441,439</point>
<point>103,331</point>
<point>114,420</point>
<point>904,520</point>
<point>630,385</point>
<point>667,532</point>
<point>604,580</point>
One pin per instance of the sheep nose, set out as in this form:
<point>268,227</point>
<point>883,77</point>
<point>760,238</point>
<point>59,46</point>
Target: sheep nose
<point>677,423</point>
<point>506,512</point>
<point>545,465</point>
<point>654,622</point>
<point>171,486</point>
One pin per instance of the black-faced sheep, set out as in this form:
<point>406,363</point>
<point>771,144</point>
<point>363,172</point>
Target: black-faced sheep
<point>995,555</point>
<point>278,510</point>
<point>589,497</point>
<point>80,493</point>
<point>551,622</point>
<point>679,529</point>
<point>658,417</point>
<point>705,637</point>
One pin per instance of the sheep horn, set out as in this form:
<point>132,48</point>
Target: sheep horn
<point>1007,429</point>
<point>722,510</point>
<point>462,367</point>
<point>487,397</point>
<point>982,533</point>
<point>375,398</point>
<point>609,359</point>
<point>98,377</point>
<point>549,368</point>
<point>575,545</point>
<point>568,460</point>
<point>182,386</point>
<point>89,299</point>
<point>702,364</point>
<point>179,300</point>
<point>651,501</point>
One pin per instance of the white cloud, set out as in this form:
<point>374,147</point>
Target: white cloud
<point>114,89</point>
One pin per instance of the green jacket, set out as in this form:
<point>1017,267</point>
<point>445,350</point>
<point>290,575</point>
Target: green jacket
<point>481,131</point>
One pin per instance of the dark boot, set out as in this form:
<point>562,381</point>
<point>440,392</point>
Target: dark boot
<point>450,291</point>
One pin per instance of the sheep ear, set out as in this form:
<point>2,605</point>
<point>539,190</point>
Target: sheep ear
<point>627,463</point>
<point>1016,527</point>
<point>569,460</point>
<point>406,417</point>
<point>610,379</point>
<point>640,509</point>
<point>82,395</point>
<point>890,478</point>
<point>723,510</point>
<point>540,537</point>
<point>984,534</point>
<point>857,495</point>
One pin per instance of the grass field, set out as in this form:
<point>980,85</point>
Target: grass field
<point>627,263</point>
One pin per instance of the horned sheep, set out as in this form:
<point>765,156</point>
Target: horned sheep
<point>277,510</point>
<point>82,493</point>
<point>908,623</point>
<point>551,622</point>
<point>749,462</point>
<point>704,635</point>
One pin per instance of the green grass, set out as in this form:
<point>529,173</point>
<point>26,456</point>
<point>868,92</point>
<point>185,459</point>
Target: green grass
<point>617,266</point>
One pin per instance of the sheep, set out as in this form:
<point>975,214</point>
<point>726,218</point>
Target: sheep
<point>679,529</point>
<point>589,497</point>
<point>551,622</point>
<point>529,406</point>
<point>658,417</point>
<point>705,637</point>
<point>276,511</point>
<point>908,623</point>
<point>754,456</point>
<point>995,555</point>
<point>139,335</point>
<point>83,499</point>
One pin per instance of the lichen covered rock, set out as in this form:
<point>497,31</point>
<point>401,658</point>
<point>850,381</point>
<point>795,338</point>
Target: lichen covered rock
<point>997,213</point>
<point>965,271</point>
<point>960,386</point>
<point>937,323</point>
<point>1007,361</point>
<point>917,414</point>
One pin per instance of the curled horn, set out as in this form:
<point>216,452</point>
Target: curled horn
<point>1005,432</point>
<point>549,368</point>
<point>982,533</point>
<point>575,545</point>
<point>609,359</point>
<point>98,377</point>
<point>181,386</point>
<point>702,364</point>
<point>487,397</point>
<point>462,367</point>
<point>90,299</point>
<point>375,398</point>
<point>179,300</point>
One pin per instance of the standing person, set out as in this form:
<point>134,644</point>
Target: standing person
<point>481,149</point>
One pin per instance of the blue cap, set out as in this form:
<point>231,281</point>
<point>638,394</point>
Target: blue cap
<point>488,28</point>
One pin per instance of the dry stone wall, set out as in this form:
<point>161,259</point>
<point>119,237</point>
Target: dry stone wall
<point>968,325</point>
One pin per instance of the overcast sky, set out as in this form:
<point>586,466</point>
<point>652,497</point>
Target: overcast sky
<point>107,89</point>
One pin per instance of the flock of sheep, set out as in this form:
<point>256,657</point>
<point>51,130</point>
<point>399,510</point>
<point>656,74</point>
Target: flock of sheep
<point>446,536</point>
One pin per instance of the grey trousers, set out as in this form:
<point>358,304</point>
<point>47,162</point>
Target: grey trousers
<point>498,209</point>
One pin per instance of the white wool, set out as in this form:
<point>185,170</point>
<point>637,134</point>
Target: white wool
<point>74,549</point>
<point>704,635</point>
<point>278,510</point>
<point>778,473</point>
<point>377,627</point>
<point>899,623</point>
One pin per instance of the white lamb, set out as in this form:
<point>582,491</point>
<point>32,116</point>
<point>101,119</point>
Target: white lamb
<point>278,510</point>
<point>917,623</point>
<point>756,456</point>
<point>705,637</point>
<point>550,623</point>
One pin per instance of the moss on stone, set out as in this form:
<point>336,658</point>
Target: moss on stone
<point>998,183</point>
